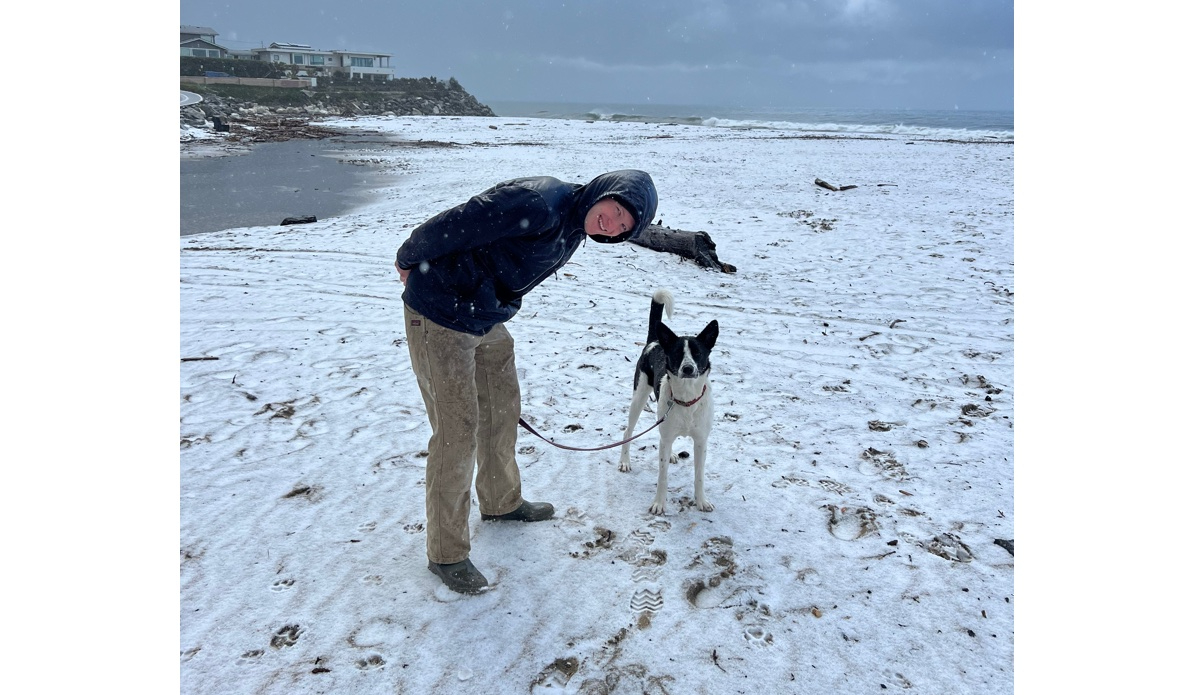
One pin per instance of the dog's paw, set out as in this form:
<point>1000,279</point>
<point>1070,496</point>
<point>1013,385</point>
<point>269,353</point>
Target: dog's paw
<point>658,508</point>
<point>704,505</point>
<point>624,467</point>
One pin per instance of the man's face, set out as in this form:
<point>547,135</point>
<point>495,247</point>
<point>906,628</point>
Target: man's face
<point>607,218</point>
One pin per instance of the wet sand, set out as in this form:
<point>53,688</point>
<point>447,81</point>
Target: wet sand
<point>272,181</point>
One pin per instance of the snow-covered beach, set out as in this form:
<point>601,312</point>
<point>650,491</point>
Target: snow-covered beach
<point>861,463</point>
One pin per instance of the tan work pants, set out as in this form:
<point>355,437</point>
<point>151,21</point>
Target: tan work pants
<point>473,401</point>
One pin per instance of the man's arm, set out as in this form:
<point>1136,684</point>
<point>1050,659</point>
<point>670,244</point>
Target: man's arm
<point>485,218</point>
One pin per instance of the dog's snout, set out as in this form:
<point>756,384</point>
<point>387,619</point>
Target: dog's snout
<point>687,370</point>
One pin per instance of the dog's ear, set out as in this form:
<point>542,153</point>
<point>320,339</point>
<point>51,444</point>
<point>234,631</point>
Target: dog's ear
<point>665,335</point>
<point>708,336</point>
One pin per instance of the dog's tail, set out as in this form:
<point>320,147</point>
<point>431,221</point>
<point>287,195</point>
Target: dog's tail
<point>662,301</point>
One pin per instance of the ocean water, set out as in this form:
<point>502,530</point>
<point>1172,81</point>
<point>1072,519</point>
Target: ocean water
<point>273,181</point>
<point>955,124</point>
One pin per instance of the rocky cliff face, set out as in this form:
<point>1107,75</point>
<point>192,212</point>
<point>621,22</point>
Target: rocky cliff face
<point>441,100</point>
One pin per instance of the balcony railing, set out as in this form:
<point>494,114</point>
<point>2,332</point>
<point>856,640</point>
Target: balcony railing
<point>355,70</point>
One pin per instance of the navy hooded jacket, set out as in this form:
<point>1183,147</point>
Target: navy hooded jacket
<point>470,265</point>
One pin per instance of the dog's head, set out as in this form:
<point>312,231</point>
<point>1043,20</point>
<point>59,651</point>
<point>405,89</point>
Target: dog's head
<point>687,356</point>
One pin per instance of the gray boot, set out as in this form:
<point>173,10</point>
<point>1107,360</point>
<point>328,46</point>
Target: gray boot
<point>528,511</point>
<point>460,576</point>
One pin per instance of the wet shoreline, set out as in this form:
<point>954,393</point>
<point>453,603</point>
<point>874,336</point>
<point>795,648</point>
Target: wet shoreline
<point>271,181</point>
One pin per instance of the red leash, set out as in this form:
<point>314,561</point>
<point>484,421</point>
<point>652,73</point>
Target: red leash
<point>534,432</point>
<point>687,404</point>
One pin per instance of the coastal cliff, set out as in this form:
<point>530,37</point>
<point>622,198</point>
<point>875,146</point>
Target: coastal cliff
<point>263,108</point>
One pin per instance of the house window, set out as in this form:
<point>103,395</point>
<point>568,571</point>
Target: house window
<point>317,60</point>
<point>298,58</point>
<point>362,62</point>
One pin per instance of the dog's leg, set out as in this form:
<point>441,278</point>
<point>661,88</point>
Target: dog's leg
<point>701,442</point>
<point>664,461</point>
<point>640,395</point>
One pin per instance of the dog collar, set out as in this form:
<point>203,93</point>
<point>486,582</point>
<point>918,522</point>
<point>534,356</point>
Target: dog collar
<point>688,404</point>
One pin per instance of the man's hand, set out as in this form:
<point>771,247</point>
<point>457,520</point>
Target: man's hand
<point>403,273</point>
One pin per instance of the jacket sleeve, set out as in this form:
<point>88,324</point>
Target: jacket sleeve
<point>500,212</point>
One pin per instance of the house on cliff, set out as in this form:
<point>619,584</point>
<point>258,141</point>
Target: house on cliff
<point>200,42</point>
<point>301,60</point>
<point>305,61</point>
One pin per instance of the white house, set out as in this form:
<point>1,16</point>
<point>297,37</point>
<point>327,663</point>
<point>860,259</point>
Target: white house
<point>305,61</point>
<point>301,60</point>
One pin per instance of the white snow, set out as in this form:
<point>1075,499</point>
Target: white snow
<point>861,463</point>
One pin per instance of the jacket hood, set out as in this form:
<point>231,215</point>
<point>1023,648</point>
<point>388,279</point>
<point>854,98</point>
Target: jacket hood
<point>633,188</point>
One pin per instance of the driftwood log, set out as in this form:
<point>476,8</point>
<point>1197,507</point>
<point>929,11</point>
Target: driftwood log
<point>307,219</point>
<point>830,186</point>
<point>696,246</point>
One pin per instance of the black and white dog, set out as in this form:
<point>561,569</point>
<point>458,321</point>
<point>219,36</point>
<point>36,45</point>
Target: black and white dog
<point>676,369</point>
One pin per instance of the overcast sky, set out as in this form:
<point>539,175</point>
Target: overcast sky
<point>936,54</point>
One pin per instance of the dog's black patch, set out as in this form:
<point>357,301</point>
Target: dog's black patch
<point>683,357</point>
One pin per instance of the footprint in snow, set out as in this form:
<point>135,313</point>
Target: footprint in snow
<point>851,523</point>
<point>647,561</point>
<point>555,676</point>
<point>948,546</point>
<point>370,663</point>
<point>286,636</point>
<point>250,657</point>
<point>283,585</point>
<point>757,636</point>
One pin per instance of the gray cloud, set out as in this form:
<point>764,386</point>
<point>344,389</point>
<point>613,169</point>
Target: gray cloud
<point>867,53</point>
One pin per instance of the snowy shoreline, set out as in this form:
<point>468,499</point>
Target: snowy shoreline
<point>861,464</point>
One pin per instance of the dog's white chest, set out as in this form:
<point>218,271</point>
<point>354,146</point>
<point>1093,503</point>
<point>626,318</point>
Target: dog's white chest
<point>687,413</point>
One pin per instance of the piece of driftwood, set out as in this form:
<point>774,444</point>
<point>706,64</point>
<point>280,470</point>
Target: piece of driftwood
<point>696,246</point>
<point>299,220</point>
<point>197,359</point>
<point>832,187</point>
